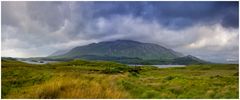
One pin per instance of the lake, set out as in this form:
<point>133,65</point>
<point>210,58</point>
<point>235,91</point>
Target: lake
<point>163,66</point>
<point>45,62</point>
<point>36,62</point>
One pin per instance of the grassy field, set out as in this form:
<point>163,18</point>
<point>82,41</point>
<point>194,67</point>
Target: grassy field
<point>89,79</point>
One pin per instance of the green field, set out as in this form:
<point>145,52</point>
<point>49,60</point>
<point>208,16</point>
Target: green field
<point>95,79</point>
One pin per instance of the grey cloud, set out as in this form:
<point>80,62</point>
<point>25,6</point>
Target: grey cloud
<point>53,20</point>
<point>44,27</point>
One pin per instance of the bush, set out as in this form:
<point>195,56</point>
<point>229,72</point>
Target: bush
<point>236,74</point>
<point>134,74</point>
<point>110,70</point>
<point>135,69</point>
<point>168,78</point>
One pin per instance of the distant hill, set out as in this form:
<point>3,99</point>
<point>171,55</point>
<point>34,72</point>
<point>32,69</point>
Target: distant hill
<point>127,51</point>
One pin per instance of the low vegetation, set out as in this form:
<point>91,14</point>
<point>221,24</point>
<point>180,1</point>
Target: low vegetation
<point>98,79</point>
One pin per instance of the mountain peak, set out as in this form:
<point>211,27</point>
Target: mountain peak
<point>120,41</point>
<point>126,41</point>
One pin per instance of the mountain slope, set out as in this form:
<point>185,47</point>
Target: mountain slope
<point>123,48</point>
<point>188,60</point>
<point>59,52</point>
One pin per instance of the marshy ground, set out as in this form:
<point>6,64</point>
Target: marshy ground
<point>98,79</point>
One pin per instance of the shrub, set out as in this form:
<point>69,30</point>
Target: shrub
<point>110,70</point>
<point>236,74</point>
<point>168,78</point>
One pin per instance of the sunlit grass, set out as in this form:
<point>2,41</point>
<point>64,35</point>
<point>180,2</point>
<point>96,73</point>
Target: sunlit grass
<point>93,86</point>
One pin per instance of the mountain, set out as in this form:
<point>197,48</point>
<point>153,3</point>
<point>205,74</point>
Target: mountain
<point>127,51</point>
<point>123,48</point>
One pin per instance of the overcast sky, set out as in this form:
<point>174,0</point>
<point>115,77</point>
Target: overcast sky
<point>208,30</point>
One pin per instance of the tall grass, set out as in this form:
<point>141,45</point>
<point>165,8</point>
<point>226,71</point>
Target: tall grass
<point>89,79</point>
<point>91,86</point>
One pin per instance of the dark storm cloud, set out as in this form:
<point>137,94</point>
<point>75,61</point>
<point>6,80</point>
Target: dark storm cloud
<point>173,14</point>
<point>203,29</point>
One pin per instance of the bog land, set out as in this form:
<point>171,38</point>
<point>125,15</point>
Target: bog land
<point>101,79</point>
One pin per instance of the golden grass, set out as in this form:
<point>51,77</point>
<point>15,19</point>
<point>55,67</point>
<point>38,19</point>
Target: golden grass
<point>86,86</point>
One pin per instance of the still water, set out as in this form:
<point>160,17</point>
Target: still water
<point>45,62</point>
<point>163,66</point>
<point>37,62</point>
